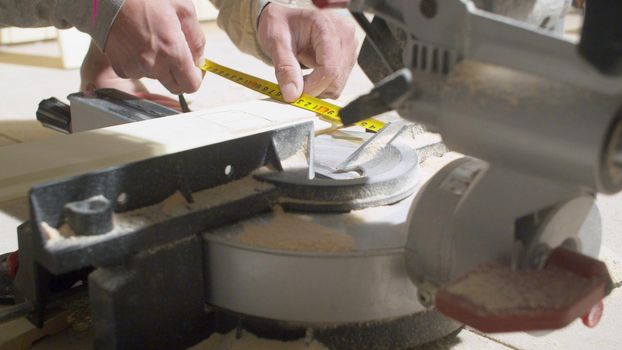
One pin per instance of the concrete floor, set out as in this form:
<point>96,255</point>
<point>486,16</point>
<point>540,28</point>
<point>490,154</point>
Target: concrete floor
<point>23,87</point>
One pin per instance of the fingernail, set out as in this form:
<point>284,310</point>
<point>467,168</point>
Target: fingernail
<point>290,92</point>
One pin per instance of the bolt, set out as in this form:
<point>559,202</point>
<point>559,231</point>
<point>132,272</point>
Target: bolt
<point>425,294</point>
<point>89,217</point>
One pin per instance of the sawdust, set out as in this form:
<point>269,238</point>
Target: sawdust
<point>434,164</point>
<point>292,232</point>
<point>475,79</point>
<point>50,233</point>
<point>79,312</point>
<point>500,289</point>
<point>173,206</point>
<point>249,341</point>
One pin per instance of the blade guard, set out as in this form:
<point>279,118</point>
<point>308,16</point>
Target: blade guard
<point>494,298</point>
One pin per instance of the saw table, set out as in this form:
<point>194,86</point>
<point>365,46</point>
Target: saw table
<point>183,208</point>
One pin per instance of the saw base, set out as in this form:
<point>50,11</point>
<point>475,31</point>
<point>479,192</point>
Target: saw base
<point>395,334</point>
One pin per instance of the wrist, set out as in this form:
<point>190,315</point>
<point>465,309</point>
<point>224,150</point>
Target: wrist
<point>99,23</point>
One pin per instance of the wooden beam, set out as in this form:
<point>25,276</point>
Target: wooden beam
<point>26,164</point>
<point>20,334</point>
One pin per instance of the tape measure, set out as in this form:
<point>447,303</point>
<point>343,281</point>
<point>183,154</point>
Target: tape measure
<point>325,110</point>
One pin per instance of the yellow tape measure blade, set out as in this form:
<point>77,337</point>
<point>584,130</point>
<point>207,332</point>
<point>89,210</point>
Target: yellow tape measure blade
<point>325,110</point>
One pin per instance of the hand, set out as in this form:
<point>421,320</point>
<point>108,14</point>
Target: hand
<point>316,39</point>
<point>159,39</point>
<point>97,73</point>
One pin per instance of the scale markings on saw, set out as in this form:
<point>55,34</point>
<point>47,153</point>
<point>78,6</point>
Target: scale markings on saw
<point>327,111</point>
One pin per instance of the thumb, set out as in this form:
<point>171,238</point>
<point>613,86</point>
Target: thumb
<point>287,69</point>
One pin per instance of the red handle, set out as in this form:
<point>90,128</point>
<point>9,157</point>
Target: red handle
<point>331,3</point>
<point>495,298</point>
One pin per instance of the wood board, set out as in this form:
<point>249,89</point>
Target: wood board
<point>20,334</point>
<point>26,164</point>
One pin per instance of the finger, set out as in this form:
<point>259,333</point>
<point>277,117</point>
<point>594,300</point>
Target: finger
<point>89,88</point>
<point>134,66</point>
<point>349,54</point>
<point>159,99</point>
<point>337,85</point>
<point>187,75</point>
<point>119,69</point>
<point>194,35</point>
<point>335,89</point>
<point>166,77</point>
<point>176,61</point>
<point>287,70</point>
<point>327,59</point>
<point>286,66</point>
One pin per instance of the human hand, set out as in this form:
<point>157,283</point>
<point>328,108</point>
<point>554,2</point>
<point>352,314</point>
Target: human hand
<point>96,72</point>
<point>159,39</point>
<point>316,39</point>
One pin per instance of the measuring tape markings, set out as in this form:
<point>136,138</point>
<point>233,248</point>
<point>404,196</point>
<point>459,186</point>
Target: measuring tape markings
<point>325,110</point>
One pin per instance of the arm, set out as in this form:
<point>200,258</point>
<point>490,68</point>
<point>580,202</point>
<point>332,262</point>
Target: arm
<point>62,14</point>
<point>159,39</point>
<point>239,19</point>
<point>289,37</point>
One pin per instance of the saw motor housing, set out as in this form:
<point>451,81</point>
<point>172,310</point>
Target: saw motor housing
<point>539,116</point>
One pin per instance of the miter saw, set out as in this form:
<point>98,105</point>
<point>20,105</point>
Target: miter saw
<point>480,243</point>
<point>542,117</point>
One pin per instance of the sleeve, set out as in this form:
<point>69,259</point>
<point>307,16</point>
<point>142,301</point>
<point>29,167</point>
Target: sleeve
<point>239,18</point>
<point>94,17</point>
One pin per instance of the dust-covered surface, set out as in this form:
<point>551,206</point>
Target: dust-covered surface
<point>293,232</point>
<point>248,341</point>
<point>432,165</point>
<point>171,207</point>
<point>79,309</point>
<point>499,289</point>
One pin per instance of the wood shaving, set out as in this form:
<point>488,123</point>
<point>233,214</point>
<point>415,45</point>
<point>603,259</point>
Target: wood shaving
<point>292,232</point>
<point>173,206</point>
<point>501,289</point>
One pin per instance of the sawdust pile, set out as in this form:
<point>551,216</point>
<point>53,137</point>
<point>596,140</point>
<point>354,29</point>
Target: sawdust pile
<point>173,206</point>
<point>249,341</point>
<point>291,232</point>
<point>501,289</point>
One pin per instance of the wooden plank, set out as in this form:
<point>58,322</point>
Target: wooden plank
<point>12,214</point>
<point>13,35</point>
<point>73,46</point>
<point>26,164</point>
<point>20,334</point>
